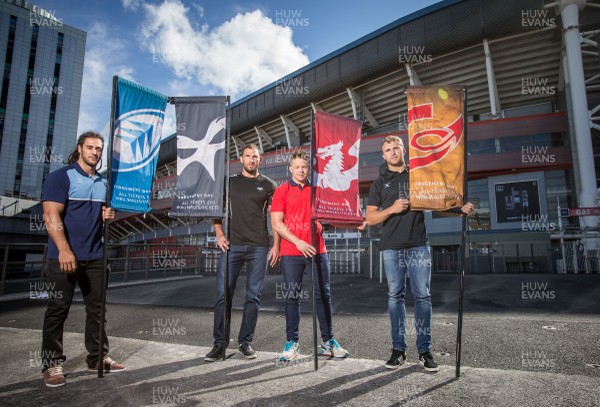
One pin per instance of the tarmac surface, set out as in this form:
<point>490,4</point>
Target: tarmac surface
<point>528,340</point>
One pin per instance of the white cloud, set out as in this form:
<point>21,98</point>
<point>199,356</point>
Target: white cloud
<point>240,56</point>
<point>131,4</point>
<point>103,55</point>
<point>102,60</point>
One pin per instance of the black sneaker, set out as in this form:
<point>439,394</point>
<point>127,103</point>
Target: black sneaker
<point>426,359</point>
<point>216,353</point>
<point>398,357</point>
<point>247,351</point>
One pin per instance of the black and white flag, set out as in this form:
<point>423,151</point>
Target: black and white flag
<point>201,136</point>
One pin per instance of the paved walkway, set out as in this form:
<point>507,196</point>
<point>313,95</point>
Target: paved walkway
<point>516,352</point>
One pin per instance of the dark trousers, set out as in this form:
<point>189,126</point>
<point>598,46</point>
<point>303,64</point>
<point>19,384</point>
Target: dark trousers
<point>61,288</point>
<point>294,268</point>
<point>256,256</point>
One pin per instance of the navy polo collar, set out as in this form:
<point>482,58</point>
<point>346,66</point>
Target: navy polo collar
<point>85,174</point>
<point>294,184</point>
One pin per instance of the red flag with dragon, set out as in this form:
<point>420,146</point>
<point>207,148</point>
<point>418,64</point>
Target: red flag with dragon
<point>335,169</point>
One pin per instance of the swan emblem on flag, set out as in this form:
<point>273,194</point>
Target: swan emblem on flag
<point>333,175</point>
<point>205,151</point>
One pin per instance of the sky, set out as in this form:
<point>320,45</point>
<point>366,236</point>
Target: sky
<point>209,47</point>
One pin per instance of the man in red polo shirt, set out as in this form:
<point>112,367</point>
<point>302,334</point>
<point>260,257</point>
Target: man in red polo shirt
<point>290,218</point>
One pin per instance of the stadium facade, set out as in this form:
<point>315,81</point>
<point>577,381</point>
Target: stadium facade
<point>532,74</point>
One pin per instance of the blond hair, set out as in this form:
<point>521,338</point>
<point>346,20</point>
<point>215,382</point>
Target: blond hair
<point>297,153</point>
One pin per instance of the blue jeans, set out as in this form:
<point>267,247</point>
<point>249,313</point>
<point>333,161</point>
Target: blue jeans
<point>238,255</point>
<point>417,262</point>
<point>293,268</point>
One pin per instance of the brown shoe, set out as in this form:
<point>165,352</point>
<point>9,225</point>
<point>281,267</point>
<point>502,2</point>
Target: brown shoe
<point>53,376</point>
<point>110,366</point>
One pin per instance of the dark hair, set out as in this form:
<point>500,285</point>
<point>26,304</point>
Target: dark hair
<point>251,146</point>
<point>74,156</point>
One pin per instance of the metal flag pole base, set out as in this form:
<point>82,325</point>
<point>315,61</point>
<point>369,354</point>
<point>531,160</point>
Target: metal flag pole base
<point>463,246</point>
<point>461,296</point>
<point>105,230</point>
<point>314,313</point>
<point>227,228</point>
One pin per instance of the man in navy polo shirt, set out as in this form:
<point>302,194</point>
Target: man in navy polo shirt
<point>74,212</point>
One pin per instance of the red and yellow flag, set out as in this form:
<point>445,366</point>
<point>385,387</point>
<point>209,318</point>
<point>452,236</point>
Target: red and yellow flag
<point>436,147</point>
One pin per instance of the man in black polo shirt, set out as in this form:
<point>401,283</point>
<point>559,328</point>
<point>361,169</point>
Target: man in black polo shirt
<point>250,194</point>
<point>404,246</point>
<point>74,211</point>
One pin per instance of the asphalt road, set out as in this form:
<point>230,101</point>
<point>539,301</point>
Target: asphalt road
<point>532,335</point>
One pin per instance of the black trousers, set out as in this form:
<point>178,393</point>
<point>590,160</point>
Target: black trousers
<point>61,287</point>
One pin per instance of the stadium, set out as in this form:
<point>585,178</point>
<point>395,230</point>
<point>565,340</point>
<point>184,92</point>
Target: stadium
<point>523,136</point>
<point>532,73</point>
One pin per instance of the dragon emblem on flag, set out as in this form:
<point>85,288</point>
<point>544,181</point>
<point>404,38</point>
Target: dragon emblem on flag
<point>334,176</point>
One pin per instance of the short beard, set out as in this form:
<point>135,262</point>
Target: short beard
<point>91,164</point>
<point>251,172</point>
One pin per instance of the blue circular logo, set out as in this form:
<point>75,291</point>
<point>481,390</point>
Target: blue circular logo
<point>137,139</point>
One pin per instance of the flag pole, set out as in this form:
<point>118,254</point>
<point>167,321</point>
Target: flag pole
<point>313,242</point>
<point>463,244</point>
<point>226,228</point>
<point>107,199</point>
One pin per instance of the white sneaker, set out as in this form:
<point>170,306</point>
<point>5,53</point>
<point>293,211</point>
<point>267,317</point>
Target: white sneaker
<point>291,350</point>
<point>333,348</point>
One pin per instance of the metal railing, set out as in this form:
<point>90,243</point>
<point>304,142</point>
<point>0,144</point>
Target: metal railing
<point>23,263</point>
<point>576,255</point>
<point>22,272</point>
<point>126,263</point>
